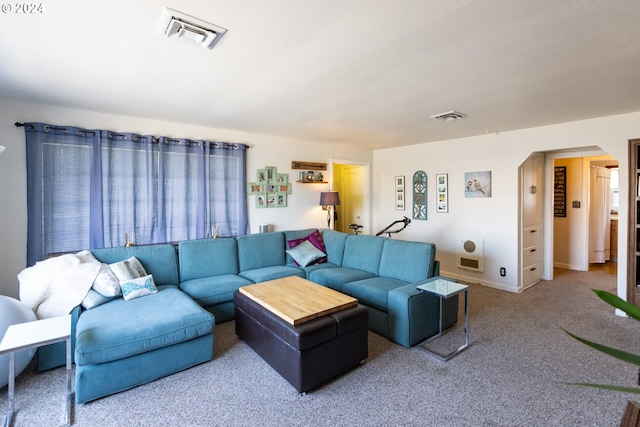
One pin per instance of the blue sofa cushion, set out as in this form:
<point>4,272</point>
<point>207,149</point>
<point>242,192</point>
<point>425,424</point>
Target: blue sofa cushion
<point>207,257</point>
<point>308,269</point>
<point>334,242</point>
<point>271,273</point>
<point>373,292</point>
<point>335,278</point>
<point>261,250</point>
<point>215,289</point>
<point>120,328</point>
<point>407,261</point>
<point>159,260</point>
<point>363,253</point>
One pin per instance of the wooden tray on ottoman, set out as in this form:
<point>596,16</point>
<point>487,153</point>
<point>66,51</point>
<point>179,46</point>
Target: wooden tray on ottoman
<point>297,300</point>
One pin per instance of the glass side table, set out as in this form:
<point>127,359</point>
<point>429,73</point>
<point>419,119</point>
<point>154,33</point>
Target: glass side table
<point>444,289</point>
<point>23,336</point>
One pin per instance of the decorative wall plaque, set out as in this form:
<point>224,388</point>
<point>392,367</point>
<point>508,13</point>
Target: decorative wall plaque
<point>560,191</point>
<point>420,195</point>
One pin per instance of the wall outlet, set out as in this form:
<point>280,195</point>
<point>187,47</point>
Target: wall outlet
<point>503,271</point>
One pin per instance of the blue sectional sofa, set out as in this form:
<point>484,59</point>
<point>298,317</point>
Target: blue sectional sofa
<point>381,273</point>
<point>121,344</point>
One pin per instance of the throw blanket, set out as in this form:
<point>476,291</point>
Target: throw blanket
<point>55,286</point>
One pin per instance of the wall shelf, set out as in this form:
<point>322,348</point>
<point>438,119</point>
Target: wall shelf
<point>311,182</point>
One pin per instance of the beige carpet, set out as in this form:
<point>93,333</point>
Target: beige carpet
<point>511,375</point>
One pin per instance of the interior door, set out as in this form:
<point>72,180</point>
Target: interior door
<point>350,185</point>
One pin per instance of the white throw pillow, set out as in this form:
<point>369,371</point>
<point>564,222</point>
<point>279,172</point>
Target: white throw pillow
<point>128,269</point>
<point>94,299</point>
<point>139,287</point>
<point>305,253</point>
<point>106,283</point>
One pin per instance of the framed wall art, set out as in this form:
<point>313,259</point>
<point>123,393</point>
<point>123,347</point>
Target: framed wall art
<point>400,193</point>
<point>254,188</point>
<point>442,192</point>
<point>420,195</point>
<point>271,188</point>
<point>477,184</point>
<point>560,191</point>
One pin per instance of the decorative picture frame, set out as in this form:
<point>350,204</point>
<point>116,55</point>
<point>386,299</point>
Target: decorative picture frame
<point>261,201</point>
<point>420,195</point>
<point>281,178</point>
<point>477,184</point>
<point>281,200</point>
<point>271,174</point>
<point>560,191</point>
<point>271,188</point>
<point>442,192</point>
<point>254,188</point>
<point>400,196</point>
<point>261,176</point>
<point>284,188</point>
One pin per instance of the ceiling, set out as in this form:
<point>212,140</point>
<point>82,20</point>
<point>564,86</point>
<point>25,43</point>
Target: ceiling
<point>364,72</point>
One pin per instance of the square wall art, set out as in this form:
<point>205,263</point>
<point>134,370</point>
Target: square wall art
<point>477,184</point>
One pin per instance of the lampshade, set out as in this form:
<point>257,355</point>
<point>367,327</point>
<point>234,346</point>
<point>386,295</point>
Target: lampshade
<point>329,198</point>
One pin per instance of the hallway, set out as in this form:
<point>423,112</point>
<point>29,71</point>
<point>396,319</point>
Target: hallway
<point>609,267</point>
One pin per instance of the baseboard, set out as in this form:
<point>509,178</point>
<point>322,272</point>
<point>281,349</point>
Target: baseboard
<point>474,280</point>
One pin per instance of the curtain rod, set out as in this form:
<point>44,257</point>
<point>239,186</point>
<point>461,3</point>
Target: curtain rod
<point>19,125</point>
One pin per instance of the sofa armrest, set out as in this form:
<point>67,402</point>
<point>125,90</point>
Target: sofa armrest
<point>414,315</point>
<point>54,355</point>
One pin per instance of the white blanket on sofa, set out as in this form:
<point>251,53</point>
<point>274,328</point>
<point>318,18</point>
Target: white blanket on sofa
<point>55,286</point>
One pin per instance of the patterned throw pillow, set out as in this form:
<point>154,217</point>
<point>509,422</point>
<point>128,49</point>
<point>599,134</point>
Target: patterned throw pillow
<point>139,287</point>
<point>106,283</point>
<point>128,269</point>
<point>305,253</point>
<point>316,239</point>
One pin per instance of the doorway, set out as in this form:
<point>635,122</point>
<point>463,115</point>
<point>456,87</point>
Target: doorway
<point>568,236</point>
<point>351,181</point>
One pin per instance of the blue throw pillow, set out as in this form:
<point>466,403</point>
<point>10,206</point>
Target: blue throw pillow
<point>305,253</point>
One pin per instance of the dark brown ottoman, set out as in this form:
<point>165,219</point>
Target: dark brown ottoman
<point>307,354</point>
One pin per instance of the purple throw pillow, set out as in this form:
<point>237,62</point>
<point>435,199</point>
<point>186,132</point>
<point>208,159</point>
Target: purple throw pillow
<point>316,240</point>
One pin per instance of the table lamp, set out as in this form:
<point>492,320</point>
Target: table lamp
<point>329,199</point>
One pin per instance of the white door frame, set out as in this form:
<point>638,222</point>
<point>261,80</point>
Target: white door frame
<point>366,191</point>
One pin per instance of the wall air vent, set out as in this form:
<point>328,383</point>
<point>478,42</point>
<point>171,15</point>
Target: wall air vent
<point>187,28</point>
<point>449,116</point>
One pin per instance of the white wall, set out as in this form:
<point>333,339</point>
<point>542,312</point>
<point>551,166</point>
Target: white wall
<point>495,219</point>
<point>303,210</point>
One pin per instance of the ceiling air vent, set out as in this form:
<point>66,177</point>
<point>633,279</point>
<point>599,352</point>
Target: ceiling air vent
<point>449,116</point>
<point>187,28</point>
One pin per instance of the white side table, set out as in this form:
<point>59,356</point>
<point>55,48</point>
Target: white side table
<point>446,289</point>
<point>35,334</point>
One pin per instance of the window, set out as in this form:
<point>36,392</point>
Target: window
<point>86,188</point>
